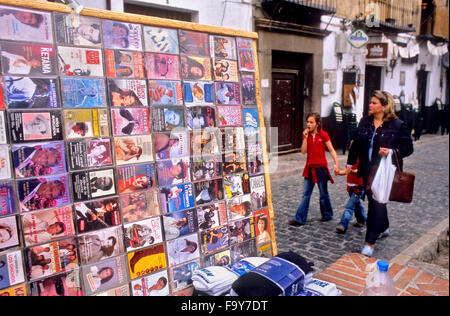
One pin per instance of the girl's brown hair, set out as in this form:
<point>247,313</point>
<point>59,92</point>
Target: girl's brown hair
<point>317,118</point>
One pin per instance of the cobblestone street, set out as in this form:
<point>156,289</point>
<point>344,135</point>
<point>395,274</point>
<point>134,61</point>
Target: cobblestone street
<point>319,241</point>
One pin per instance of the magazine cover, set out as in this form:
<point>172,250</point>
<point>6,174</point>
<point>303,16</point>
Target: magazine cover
<point>162,66</point>
<point>198,93</point>
<point>239,207</point>
<point>101,244</point>
<point>124,64</point>
<point>18,24</point>
<point>136,177</point>
<point>133,149</point>
<point>35,126</point>
<point>171,145</point>
<point>206,167</point>
<point>89,153</point>
<point>221,259</point>
<point>98,214</point>
<point>194,43</point>
<point>27,59</point>
<point>205,142</point>
<point>243,250</point>
<point>88,185</point>
<point>45,192</point>
<point>83,123</point>
<point>262,221</point>
<point>31,92</point>
<point>248,86</point>
<point>3,130</point>
<point>173,171</point>
<point>83,93</point>
<point>123,290</point>
<point>160,40</point>
<point>241,230</point>
<point>258,192</point>
<point>233,139</point>
<point>127,92</point>
<point>48,225</point>
<point>155,284</point>
<point>51,258</point>
<point>195,68</point>
<point>41,159</point>
<point>11,269</point>
<point>64,284</point>
<point>214,239</point>
<point>181,276</point>
<point>165,92</point>
<point>77,61</point>
<point>143,233</point>
<point>139,205</point>
<point>9,232</point>
<point>183,249</point>
<point>223,47</point>
<point>208,191</point>
<point>233,185</point>
<point>120,35</point>
<point>7,201</point>
<point>5,163</point>
<point>165,119</point>
<point>234,162</point>
<point>177,197</point>
<point>19,290</point>
<point>246,57</point>
<point>146,261</point>
<point>200,117</point>
<point>104,275</point>
<point>225,70</point>
<point>251,120</point>
<point>130,121</point>
<point>180,223</point>
<point>71,29</point>
<point>227,93</point>
<point>212,215</point>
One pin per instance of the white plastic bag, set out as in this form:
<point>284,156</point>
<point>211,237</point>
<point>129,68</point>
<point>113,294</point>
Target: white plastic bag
<point>382,182</point>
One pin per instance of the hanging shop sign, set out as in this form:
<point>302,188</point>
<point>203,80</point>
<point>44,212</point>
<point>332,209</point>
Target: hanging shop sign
<point>358,38</point>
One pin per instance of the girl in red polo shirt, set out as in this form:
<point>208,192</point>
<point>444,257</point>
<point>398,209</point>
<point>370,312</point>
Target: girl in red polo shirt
<point>315,141</point>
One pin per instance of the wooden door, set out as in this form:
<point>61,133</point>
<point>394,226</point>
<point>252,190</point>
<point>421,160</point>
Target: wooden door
<point>372,83</point>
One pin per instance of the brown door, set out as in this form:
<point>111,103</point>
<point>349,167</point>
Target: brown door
<point>372,83</point>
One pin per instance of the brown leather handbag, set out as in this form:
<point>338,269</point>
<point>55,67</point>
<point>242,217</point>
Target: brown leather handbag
<point>403,184</point>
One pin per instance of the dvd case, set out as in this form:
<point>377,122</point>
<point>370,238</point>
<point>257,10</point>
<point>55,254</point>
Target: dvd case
<point>136,177</point>
<point>118,35</point>
<point>225,70</point>
<point>206,167</point>
<point>262,227</point>
<point>234,162</point>
<point>198,93</point>
<point>79,61</point>
<point>212,215</point>
<point>227,93</point>
<point>173,171</point>
<point>214,239</point>
<point>89,153</point>
<point>11,269</point>
<point>200,117</point>
<point>240,207</point>
<point>9,232</point>
<point>124,64</point>
<point>160,40</point>
<point>63,284</point>
<point>84,123</point>
<point>130,121</point>
<point>133,149</point>
<point>7,198</point>
<point>194,43</point>
<point>246,56</point>
<point>181,276</point>
<point>220,258</point>
<point>177,197</point>
<point>162,66</point>
<point>143,233</point>
<point>195,68</point>
<point>248,86</point>
<point>258,192</point>
<point>178,224</point>
<point>77,30</point>
<point>183,249</point>
<point>241,230</point>
<point>165,92</point>
<point>155,284</point>
<point>83,92</point>
<point>140,205</point>
<point>18,290</point>
<point>205,142</point>
<point>127,92</point>
<point>35,126</point>
<point>208,191</point>
<point>223,47</point>
<point>146,261</point>
<point>88,185</point>
<point>94,215</point>
<point>165,119</point>
<point>171,145</point>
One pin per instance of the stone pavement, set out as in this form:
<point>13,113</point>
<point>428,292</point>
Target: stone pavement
<point>320,243</point>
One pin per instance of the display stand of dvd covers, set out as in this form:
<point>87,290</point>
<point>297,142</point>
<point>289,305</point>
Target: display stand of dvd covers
<point>131,153</point>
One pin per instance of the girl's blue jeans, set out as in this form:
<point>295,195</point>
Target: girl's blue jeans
<point>354,206</point>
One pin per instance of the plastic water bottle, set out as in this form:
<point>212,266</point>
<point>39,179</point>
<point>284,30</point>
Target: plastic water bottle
<point>379,282</point>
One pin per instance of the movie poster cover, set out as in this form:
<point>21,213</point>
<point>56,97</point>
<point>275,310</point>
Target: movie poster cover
<point>9,232</point>
<point>156,284</point>
<point>7,201</point>
<point>225,70</point>
<point>227,93</point>
<point>165,119</point>
<point>180,224</point>
<point>221,259</point>
<point>200,117</point>
<point>241,230</point>
<point>171,145</point>
<point>206,167</point>
<point>160,40</point>
<point>48,225</point>
<point>234,162</point>
<point>208,191</point>
<point>124,64</point>
<point>233,185</point>
<point>136,177</point>
<point>214,239</point>
<point>233,139</point>
<point>195,68</point>
<point>88,185</point>
<point>31,92</point>
<point>212,215</point>
<point>98,214</point>
<point>120,35</point>
<point>262,221</point>
<point>64,284</point>
<point>83,123</point>
<point>165,92</point>
<point>119,291</point>
<point>198,93</point>
<point>21,59</point>
<point>101,244</point>
<point>11,271</point>
<point>18,24</point>
<point>140,205</point>
<point>258,192</point>
<point>183,249</point>
<point>77,30</point>
<point>162,66</point>
<point>251,120</point>
<point>177,197</point>
<point>3,133</point>
<point>39,159</point>
<point>5,163</point>
<point>19,290</point>
<point>173,171</point>
<point>78,61</point>
<point>146,261</point>
<point>223,47</point>
<point>35,126</point>
<point>130,121</point>
<point>246,57</point>
<point>104,275</point>
<point>44,192</point>
<point>205,142</point>
<point>248,86</point>
<point>83,93</point>
<point>143,233</point>
<point>51,258</point>
<point>89,153</point>
<point>133,149</point>
<point>194,43</point>
<point>243,250</point>
<point>127,92</point>
<point>181,276</point>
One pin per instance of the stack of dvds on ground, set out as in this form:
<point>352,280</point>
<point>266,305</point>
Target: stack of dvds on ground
<point>130,156</point>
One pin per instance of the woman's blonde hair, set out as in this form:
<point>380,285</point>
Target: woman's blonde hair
<point>387,101</point>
